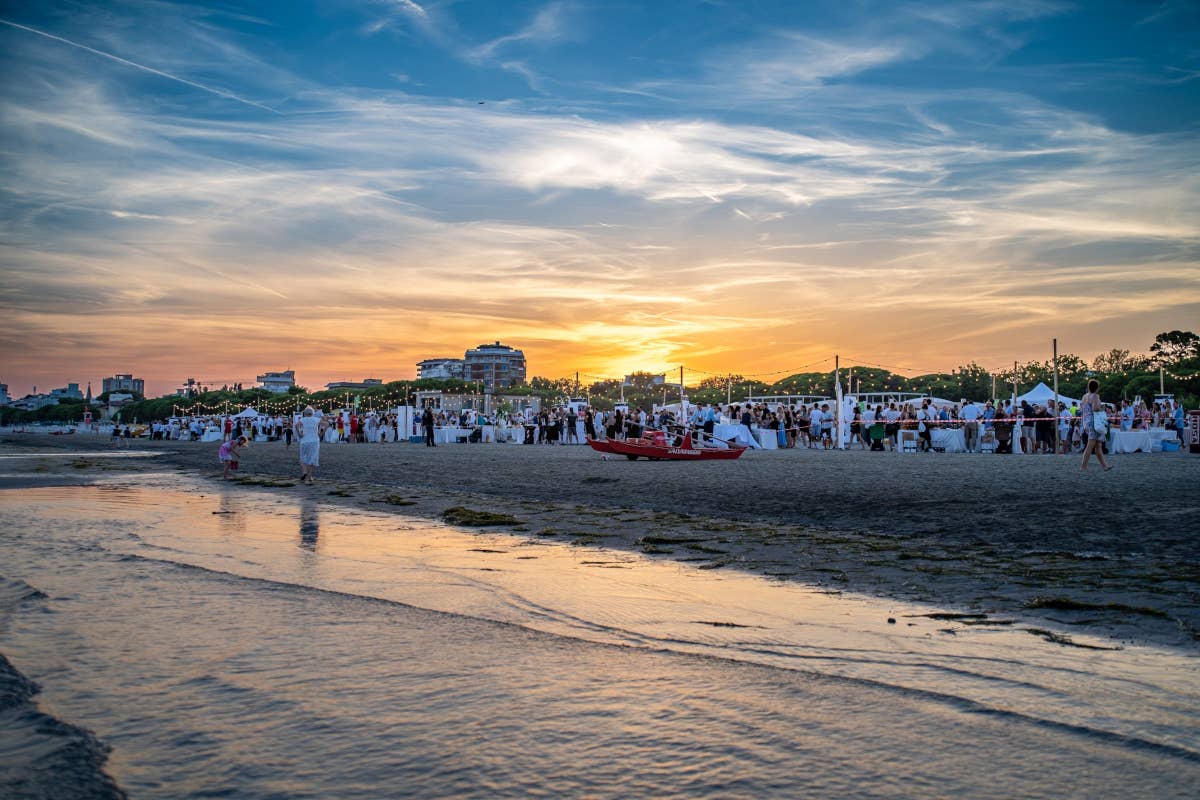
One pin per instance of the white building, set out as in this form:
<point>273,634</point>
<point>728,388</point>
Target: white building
<point>278,382</point>
<point>4,398</point>
<point>440,368</point>
<point>32,402</point>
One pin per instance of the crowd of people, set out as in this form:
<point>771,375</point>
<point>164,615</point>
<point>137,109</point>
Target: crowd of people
<point>1001,427</point>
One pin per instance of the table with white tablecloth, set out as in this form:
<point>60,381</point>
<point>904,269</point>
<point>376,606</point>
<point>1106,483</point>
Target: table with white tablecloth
<point>212,435</point>
<point>739,434</point>
<point>1130,441</point>
<point>450,435</point>
<point>950,440</point>
<point>768,438</point>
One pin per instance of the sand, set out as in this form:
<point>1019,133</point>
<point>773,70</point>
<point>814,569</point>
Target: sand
<point>1114,554</point>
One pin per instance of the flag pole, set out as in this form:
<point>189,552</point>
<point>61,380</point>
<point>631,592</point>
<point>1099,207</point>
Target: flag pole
<point>1055,413</point>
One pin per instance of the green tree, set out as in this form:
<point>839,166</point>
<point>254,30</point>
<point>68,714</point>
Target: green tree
<point>1117,360</point>
<point>1174,347</point>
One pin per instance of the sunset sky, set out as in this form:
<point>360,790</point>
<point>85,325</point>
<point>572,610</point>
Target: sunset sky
<point>347,187</point>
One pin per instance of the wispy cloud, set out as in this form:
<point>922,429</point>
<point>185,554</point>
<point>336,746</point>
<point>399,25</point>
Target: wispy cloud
<point>160,73</point>
<point>605,241</point>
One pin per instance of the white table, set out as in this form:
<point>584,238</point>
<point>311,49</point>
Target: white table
<point>768,438</point>
<point>450,435</point>
<point>953,440</point>
<point>1131,441</point>
<point>211,435</point>
<point>736,433</point>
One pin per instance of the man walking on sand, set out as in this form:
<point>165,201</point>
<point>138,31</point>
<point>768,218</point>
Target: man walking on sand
<point>309,430</point>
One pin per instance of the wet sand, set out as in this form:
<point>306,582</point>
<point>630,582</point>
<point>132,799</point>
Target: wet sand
<point>1114,554</point>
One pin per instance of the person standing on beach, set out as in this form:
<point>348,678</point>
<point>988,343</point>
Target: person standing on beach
<point>228,455</point>
<point>309,429</point>
<point>427,425</point>
<point>1091,406</point>
<point>970,417</point>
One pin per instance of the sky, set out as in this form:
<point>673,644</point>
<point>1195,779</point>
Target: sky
<point>346,187</point>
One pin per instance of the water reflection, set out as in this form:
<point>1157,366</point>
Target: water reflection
<point>230,512</point>
<point>310,526</point>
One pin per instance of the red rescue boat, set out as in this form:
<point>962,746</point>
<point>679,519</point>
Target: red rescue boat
<point>658,448</point>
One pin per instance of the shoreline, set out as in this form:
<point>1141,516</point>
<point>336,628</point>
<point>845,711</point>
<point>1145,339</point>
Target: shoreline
<point>956,531</point>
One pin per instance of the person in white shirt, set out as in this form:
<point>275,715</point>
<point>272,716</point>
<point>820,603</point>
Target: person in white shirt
<point>970,418</point>
<point>892,431</point>
<point>1064,428</point>
<point>309,429</point>
<point>815,426</point>
<point>1126,416</point>
<point>924,417</point>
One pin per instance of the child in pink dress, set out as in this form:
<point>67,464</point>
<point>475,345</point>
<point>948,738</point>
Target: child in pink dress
<point>229,455</point>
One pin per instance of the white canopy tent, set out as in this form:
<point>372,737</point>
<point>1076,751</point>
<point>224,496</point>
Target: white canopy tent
<point>1044,394</point>
<point>249,413</point>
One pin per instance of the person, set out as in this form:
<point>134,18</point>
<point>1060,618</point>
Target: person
<point>116,434</point>
<point>1065,421</point>
<point>1091,406</point>
<point>427,424</point>
<point>1002,427</point>
<point>892,428</point>
<point>1028,428</point>
<point>924,419</point>
<point>309,429</point>
<point>1126,415</point>
<point>228,455</point>
<point>970,418</point>
<point>572,425</point>
<point>287,433</point>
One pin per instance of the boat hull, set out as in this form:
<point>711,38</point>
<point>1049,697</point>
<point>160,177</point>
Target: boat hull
<point>599,445</point>
<point>658,452</point>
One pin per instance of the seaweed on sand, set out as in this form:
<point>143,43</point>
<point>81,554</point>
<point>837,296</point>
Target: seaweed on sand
<point>1058,638</point>
<point>1067,604</point>
<point>270,484</point>
<point>395,500</point>
<point>460,515</point>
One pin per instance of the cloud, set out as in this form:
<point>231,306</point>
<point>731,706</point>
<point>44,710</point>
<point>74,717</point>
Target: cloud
<point>549,25</point>
<point>151,70</point>
<point>619,241</point>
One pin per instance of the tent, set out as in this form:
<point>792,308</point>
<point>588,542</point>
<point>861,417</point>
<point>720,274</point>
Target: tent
<point>249,413</point>
<point>1044,394</point>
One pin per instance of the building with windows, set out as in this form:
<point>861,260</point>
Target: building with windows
<point>32,402</point>
<point>277,382</point>
<point>494,366</point>
<point>440,368</point>
<point>5,399</point>
<point>125,383</point>
<point>68,392</point>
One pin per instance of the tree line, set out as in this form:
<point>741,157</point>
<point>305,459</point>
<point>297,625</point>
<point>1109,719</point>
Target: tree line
<point>1174,355</point>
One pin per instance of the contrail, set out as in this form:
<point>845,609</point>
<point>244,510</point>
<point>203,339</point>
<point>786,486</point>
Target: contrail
<point>144,68</point>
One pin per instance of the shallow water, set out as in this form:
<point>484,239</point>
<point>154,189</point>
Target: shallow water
<point>227,641</point>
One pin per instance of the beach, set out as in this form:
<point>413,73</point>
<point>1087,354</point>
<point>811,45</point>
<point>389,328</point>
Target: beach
<point>1114,553</point>
<point>525,621</point>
